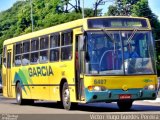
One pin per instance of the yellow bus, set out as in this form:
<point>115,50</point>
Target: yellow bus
<point>99,59</point>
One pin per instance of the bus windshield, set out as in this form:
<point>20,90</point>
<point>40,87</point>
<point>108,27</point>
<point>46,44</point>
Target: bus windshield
<point>120,52</point>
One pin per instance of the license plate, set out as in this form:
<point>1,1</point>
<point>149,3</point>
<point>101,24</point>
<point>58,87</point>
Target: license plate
<point>125,96</point>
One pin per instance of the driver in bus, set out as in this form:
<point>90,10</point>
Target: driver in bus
<point>130,52</point>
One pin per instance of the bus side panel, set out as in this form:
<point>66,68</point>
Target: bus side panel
<point>20,74</point>
<point>54,93</point>
<point>7,72</point>
<point>38,75</point>
<point>68,73</point>
<point>4,81</point>
<point>54,81</point>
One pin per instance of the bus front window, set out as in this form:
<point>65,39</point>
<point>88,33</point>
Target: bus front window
<point>104,51</point>
<point>138,52</point>
<point>119,53</point>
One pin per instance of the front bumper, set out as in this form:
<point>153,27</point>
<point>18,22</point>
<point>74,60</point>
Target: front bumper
<point>113,95</point>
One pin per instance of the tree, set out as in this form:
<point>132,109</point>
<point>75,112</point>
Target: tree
<point>88,12</point>
<point>142,9</point>
<point>17,21</point>
<point>66,5</point>
<point>112,11</point>
<point>121,7</point>
<point>98,12</point>
<point>97,3</point>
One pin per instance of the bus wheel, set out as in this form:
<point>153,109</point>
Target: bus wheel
<point>19,99</point>
<point>67,104</point>
<point>124,105</point>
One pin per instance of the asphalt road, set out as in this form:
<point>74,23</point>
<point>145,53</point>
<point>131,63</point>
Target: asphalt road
<point>46,107</point>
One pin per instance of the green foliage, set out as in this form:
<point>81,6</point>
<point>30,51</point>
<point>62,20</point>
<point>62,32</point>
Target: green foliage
<point>17,20</point>
<point>121,7</point>
<point>142,9</point>
<point>112,11</point>
<point>88,12</point>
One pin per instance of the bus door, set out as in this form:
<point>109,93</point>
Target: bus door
<point>8,74</point>
<point>79,77</point>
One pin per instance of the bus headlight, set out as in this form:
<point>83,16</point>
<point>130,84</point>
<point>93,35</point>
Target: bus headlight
<point>149,87</point>
<point>96,88</point>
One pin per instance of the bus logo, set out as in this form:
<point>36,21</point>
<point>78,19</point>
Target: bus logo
<point>147,80</point>
<point>40,71</point>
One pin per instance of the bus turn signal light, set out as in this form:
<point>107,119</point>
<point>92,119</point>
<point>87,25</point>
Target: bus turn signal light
<point>96,88</point>
<point>150,87</point>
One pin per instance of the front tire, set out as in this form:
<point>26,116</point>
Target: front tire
<point>67,104</point>
<point>124,105</point>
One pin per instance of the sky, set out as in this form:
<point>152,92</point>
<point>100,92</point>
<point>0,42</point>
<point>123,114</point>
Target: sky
<point>154,5</point>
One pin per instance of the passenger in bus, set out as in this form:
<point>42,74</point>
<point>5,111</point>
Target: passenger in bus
<point>25,61</point>
<point>70,55</point>
<point>18,61</point>
<point>35,60</point>
<point>43,59</point>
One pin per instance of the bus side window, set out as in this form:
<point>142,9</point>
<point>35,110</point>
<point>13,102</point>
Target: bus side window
<point>66,48</point>
<point>35,44</point>
<point>34,51</point>
<point>25,59</point>
<point>34,58</point>
<point>43,49</point>
<point>26,50</point>
<point>54,47</point>
<point>18,51</point>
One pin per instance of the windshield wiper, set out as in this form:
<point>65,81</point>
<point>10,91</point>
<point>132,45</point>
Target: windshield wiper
<point>111,38</point>
<point>132,35</point>
<point>106,33</point>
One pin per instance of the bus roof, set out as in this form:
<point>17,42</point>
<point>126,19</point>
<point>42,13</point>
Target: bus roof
<point>60,27</point>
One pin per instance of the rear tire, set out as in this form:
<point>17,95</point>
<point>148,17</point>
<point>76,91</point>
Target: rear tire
<point>124,105</point>
<point>19,97</point>
<point>67,104</point>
